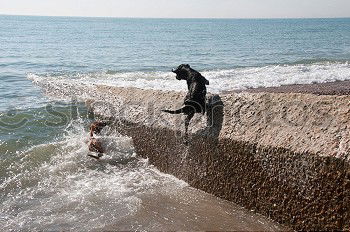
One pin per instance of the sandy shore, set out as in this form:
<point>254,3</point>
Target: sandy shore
<point>330,88</point>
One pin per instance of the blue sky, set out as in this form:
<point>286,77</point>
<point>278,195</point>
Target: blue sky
<point>180,8</point>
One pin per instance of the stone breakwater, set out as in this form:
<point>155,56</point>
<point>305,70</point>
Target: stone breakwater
<point>284,155</point>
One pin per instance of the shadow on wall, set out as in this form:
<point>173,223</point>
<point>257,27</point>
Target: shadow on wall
<point>215,117</point>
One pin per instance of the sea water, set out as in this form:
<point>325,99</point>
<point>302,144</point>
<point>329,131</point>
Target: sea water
<point>47,182</point>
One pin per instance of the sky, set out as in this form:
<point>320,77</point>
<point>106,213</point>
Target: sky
<point>180,8</point>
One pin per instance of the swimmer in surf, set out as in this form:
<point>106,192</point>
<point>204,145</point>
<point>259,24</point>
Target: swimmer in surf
<point>95,145</point>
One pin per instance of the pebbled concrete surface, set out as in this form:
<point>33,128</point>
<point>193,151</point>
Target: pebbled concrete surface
<point>299,122</point>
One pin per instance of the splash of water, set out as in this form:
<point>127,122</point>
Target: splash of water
<point>56,186</point>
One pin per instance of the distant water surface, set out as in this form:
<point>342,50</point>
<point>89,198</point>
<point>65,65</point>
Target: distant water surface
<point>232,53</point>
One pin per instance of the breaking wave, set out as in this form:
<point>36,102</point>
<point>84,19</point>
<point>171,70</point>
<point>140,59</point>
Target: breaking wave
<point>220,80</point>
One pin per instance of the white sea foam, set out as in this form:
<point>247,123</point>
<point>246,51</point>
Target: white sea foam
<point>56,186</point>
<point>220,80</point>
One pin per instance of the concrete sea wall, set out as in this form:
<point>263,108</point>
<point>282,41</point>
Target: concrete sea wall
<point>284,155</point>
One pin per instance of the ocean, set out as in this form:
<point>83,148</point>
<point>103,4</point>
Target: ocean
<point>46,180</point>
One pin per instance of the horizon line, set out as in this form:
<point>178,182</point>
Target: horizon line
<point>132,17</point>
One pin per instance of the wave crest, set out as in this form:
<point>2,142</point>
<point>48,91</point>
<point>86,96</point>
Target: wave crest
<point>220,80</point>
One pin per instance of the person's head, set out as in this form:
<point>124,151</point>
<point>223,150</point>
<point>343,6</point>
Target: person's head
<point>96,127</point>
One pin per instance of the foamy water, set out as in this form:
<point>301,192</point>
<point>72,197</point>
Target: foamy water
<point>220,80</point>
<point>56,186</point>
